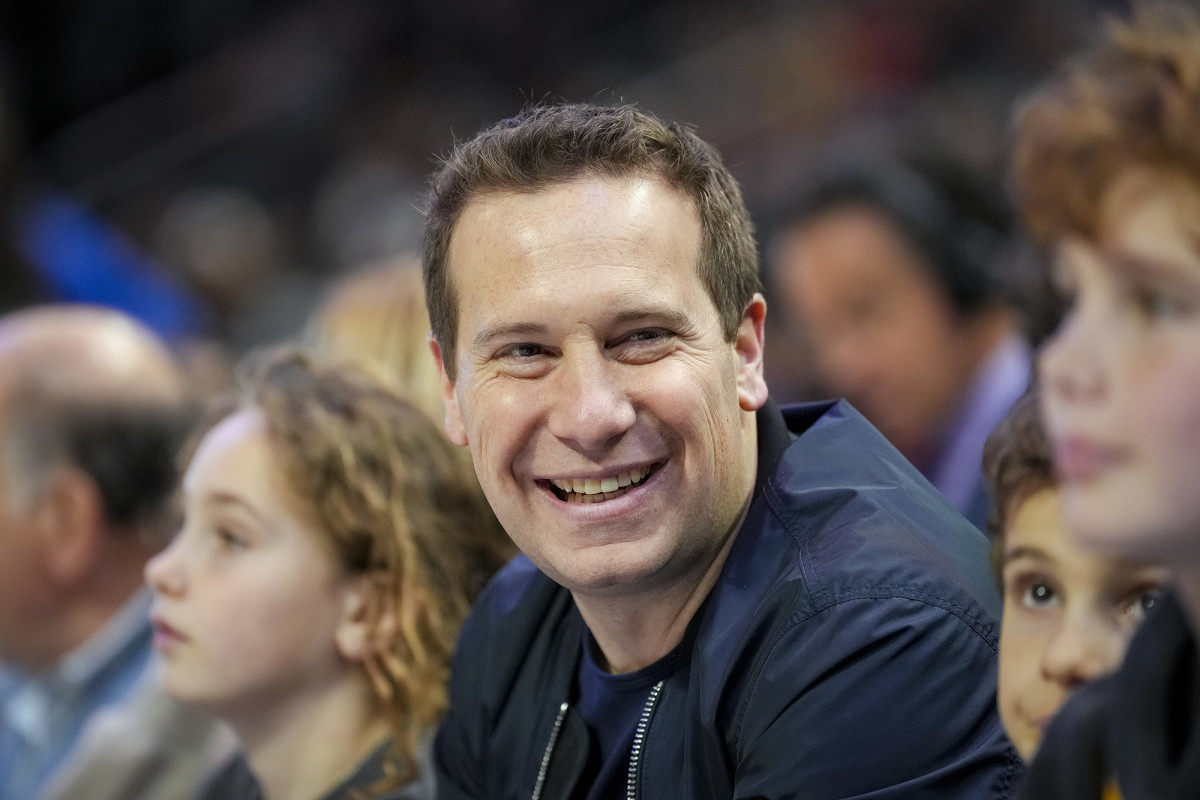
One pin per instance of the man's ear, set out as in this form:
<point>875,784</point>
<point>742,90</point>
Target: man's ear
<point>452,421</point>
<point>752,386</point>
<point>70,523</point>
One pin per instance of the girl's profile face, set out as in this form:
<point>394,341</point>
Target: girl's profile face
<point>1121,376</point>
<point>248,599</point>
<point>1068,616</point>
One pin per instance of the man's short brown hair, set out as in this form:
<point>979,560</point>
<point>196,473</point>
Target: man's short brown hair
<point>551,144</point>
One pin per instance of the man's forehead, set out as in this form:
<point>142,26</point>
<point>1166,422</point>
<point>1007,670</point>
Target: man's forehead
<point>598,209</point>
<point>643,188</point>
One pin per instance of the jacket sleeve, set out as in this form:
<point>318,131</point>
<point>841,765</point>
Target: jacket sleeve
<point>882,694</point>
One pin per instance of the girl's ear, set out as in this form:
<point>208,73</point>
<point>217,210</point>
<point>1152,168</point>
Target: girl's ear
<point>368,620</point>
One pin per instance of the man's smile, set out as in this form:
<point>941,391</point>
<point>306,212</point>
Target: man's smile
<point>597,490</point>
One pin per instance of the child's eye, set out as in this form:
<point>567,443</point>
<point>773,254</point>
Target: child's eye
<point>1038,594</point>
<point>1158,304</point>
<point>230,539</point>
<point>1140,603</point>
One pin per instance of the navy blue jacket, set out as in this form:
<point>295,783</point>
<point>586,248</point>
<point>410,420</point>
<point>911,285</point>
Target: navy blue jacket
<point>848,649</point>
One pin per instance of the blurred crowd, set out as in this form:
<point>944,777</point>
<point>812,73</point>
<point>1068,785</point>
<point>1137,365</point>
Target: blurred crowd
<point>217,289</point>
<point>232,159</point>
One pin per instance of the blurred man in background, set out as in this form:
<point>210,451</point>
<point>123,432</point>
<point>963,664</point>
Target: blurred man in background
<point>92,410</point>
<point>888,271</point>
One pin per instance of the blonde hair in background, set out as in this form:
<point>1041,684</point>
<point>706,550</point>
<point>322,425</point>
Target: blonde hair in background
<point>376,315</point>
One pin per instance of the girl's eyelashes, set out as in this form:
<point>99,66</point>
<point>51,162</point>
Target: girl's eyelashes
<point>1157,303</point>
<point>230,539</point>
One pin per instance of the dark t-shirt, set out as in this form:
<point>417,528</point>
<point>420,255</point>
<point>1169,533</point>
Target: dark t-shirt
<point>611,706</point>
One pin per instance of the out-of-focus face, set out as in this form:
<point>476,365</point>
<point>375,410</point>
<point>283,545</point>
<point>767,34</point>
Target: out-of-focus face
<point>248,599</point>
<point>610,422</point>
<point>1122,374</point>
<point>23,582</point>
<point>884,334</point>
<point>1068,615</point>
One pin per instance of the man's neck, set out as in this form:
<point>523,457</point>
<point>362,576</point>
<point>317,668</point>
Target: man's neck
<point>634,631</point>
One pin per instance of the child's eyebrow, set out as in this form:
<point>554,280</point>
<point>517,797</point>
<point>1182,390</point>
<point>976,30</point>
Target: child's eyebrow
<point>1024,551</point>
<point>1168,268</point>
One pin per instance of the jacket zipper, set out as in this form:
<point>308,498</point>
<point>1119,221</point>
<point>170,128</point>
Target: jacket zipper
<point>639,741</point>
<point>554,732</point>
<point>635,754</point>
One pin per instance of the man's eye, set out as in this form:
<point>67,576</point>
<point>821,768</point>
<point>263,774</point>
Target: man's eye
<point>647,335</point>
<point>525,350</point>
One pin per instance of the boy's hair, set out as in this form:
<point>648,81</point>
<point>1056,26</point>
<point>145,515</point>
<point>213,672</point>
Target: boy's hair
<point>1133,99</point>
<point>386,491</point>
<point>1017,464</point>
<point>546,145</point>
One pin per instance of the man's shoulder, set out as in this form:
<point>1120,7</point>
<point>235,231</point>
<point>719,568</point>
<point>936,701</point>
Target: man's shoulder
<point>519,607</point>
<point>845,512</point>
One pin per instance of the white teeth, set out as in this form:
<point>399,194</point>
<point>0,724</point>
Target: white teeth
<point>600,486</point>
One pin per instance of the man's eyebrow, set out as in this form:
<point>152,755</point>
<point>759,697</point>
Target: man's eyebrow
<point>673,317</point>
<point>505,331</point>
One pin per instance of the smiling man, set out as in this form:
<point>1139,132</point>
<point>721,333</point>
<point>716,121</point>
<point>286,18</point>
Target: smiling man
<point>717,598</point>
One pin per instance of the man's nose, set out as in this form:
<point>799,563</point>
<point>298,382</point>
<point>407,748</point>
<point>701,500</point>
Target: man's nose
<point>590,406</point>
